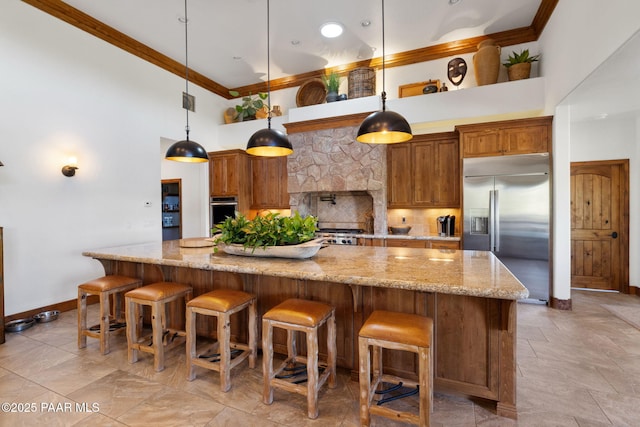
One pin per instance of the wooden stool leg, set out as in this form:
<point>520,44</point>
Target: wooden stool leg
<point>312,373</point>
<point>190,326</point>
<point>292,351</point>
<point>331,350</point>
<point>425,388</point>
<point>132,329</point>
<point>364,359</point>
<point>104,322</point>
<point>267,361</point>
<point>157,323</point>
<point>225,356</point>
<point>253,334</point>
<point>82,318</point>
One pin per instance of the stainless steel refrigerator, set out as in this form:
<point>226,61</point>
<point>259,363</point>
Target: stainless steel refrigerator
<point>506,211</point>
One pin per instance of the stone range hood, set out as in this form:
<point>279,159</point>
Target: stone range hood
<point>328,160</point>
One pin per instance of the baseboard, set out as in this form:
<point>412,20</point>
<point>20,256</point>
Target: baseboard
<point>60,306</point>
<point>560,304</point>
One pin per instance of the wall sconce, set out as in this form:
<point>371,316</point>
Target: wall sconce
<point>70,169</point>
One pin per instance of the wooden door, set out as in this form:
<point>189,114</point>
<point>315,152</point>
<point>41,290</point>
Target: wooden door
<point>423,154</point>
<point>446,174</point>
<point>481,143</point>
<point>600,225</point>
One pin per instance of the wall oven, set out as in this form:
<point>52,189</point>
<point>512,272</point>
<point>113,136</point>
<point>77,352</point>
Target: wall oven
<point>220,208</point>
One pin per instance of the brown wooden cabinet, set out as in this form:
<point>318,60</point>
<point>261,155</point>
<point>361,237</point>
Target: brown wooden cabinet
<point>230,176</point>
<point>506,138</point>
<point>424,172</point>
<point>444,244</point>
<point>269,179</point>
<point>407,243</point>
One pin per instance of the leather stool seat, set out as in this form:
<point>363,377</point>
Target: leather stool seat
<point>221,303</point>
<point>105,287</point>
<point>298,315</point>
<point>396,331</point>
<point>157,296</point>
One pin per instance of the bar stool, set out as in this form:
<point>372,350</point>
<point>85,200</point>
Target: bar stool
<point>397,331</point>
<point>156,296</point>
<point>295,315</point>
<point>104,287</point>
<point>221,303</point>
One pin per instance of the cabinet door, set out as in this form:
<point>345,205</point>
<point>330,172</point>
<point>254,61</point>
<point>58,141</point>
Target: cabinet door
<point>445,174</point>
<point>406,243</point>
<point>269,183</point>
<point>423,175</point>
<point>444,244</point>
<point>481,143</point>
<point>399,179</point>
<point>223,175</point>
<point>526,139</point>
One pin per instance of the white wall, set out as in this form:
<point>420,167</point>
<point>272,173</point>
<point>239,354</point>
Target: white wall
<point>66,93</point>
<point>580,35</point>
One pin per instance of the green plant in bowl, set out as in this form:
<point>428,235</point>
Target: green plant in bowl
<point>251,104</point>
<point>520,58</point>
<point>271,229</point>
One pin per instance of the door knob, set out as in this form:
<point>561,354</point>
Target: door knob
<point>614,234</point>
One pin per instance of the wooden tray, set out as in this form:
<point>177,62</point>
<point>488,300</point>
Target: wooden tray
<point>414,89</point>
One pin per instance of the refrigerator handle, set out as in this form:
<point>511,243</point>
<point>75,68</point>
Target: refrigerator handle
<point>496,220</point>
<point>492,216</point>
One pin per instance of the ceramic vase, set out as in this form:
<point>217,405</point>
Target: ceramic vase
<point>486,63</point>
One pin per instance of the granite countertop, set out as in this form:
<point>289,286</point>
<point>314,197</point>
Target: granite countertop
<point>473,273</point>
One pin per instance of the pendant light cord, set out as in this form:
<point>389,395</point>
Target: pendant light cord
<point>384,93</point>
<point>268,69</point>
<point>186,63</point>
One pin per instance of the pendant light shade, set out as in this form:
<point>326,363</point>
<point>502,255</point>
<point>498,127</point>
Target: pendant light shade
<point>384,127</point>
<point>269,142</point>
<point>186,151</point>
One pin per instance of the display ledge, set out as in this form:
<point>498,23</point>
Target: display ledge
<point>425,113</point>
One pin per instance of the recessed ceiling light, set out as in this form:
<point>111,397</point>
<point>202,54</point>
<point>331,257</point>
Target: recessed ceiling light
<point>365,23</point>
<point>237,58</point>
<point>454,1</point>
<point>295,42</point>
<point>331,30</point>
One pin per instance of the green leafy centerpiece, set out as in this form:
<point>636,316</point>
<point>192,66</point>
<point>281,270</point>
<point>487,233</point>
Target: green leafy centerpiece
<point>271,235</point>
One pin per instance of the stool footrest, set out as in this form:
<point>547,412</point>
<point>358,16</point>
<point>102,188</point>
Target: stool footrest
<point>408,393</point>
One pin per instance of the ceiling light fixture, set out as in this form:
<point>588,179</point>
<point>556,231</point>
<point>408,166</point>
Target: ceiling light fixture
<point>186,150</point>
<point>384,127</point>
<point>269,142</point>
<point>331,30</point>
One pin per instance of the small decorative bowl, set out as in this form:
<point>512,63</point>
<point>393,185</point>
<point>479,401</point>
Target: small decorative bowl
<point>18,325</point>
<point>400,229</point>
<point>46,316</point>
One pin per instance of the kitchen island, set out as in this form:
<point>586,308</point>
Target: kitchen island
<point>470,295</point>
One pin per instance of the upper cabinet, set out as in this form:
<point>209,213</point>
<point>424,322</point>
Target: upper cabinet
<point>424,172</point>
<point>269,183</point>
<point>230,176</point>
<point>506,138</point>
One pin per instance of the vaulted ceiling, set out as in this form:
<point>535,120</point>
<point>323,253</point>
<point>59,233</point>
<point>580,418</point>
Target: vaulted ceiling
<point>227,41</point>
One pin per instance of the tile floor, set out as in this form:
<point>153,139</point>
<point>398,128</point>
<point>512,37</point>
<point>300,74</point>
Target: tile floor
<point>577,368</point>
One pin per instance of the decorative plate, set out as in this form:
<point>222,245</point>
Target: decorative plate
<point>301,251</point>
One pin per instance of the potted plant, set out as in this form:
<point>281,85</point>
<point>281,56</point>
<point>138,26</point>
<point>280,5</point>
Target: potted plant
<point>242,236</point>
<point>519,64</point>
<point>332,82</point>
<point>251,104</point>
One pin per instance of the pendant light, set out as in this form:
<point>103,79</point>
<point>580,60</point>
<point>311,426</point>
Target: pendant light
<point>186,150</point>
<point>384,127</point>
<point>269,142</point>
